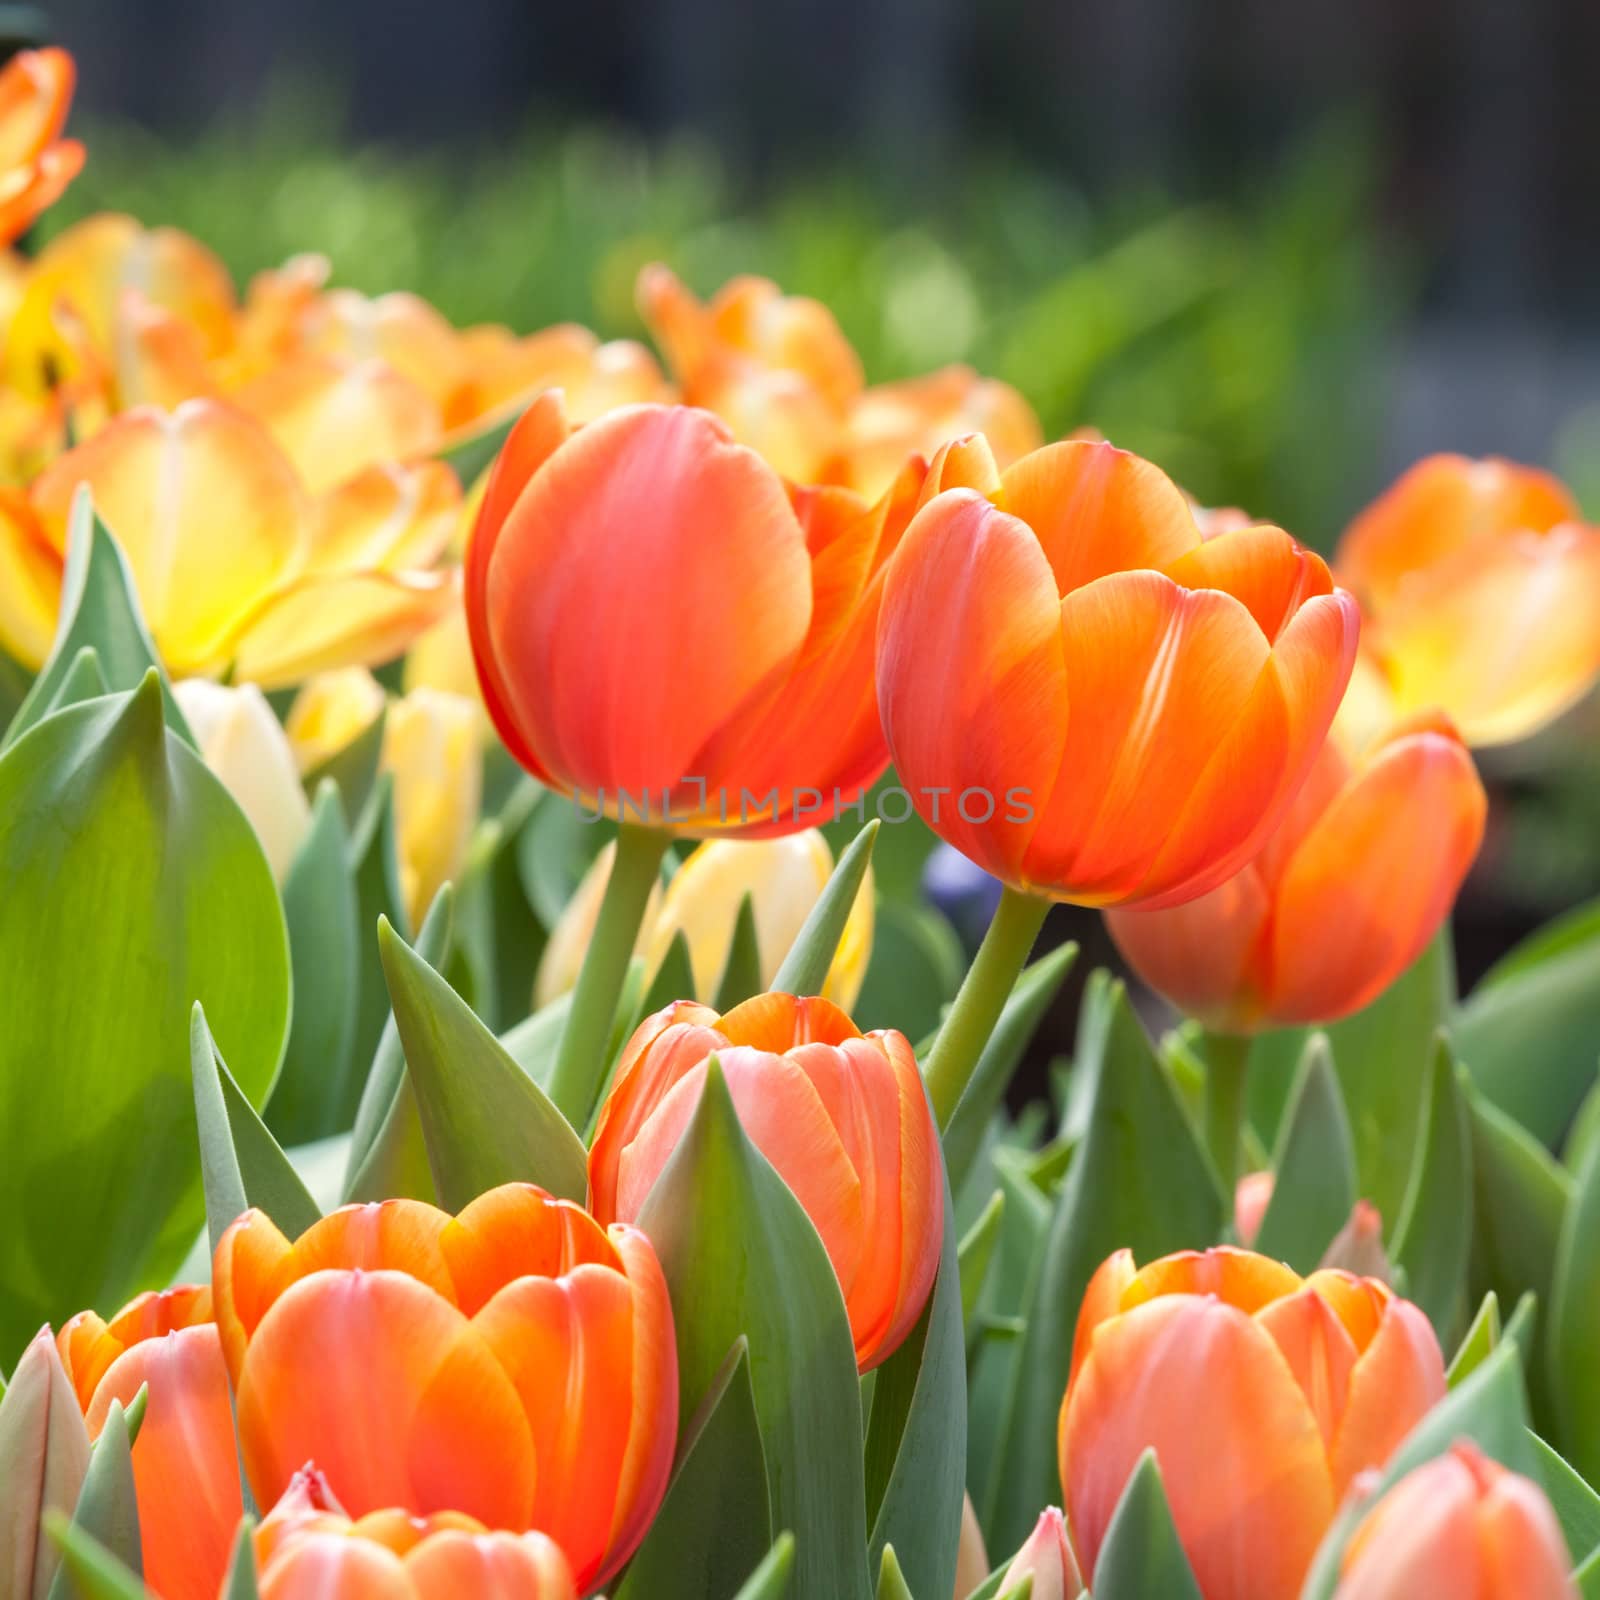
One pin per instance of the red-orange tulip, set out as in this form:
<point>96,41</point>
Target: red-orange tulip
<point>656,615</point>
<point>842,1117</point>
<point>1263,1395</point>
<point>36,163</point>
<point>1344,897</point>
<point>516,1363</point>
<point>185,1467</point>
<point>1087,698</point>
<point>1459,1526</point>
<point>1481,589</point>
<point>307,1548</point>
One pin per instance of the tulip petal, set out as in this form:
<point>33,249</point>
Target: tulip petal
<point>489,1566</point>
<point>1262,567</point>
<point>1399,1377</point>
<point>1102,1300</point>
<point>1240,1453</point>
<point>428,1419</point>
<point>392,517</point>
<point>35,91</point>
<point>334,1567</point>
<point>30,582</point>
<point>1321,1355</point>
<point>245,1271</point>
<point>514,1231</point>
<point>778,1022</point>
<point>1422,1533</point>
<point>1241,1278</point>
<point>395,1235</point>
<point>1359,1303</point>
<point>972,677</point>
<point>1523,1549</point>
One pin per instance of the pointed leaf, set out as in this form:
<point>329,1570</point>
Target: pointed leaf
<point>240,1582</point>
<point>107,1509</point>
<point>1315,1166</point>
<point>741,972</point>
<point>674,978</point>
<point>770,1581</point>
<point>806,965</point>
<point>375,864</point>
<point>1577,1506</point>
<point>1575,1326</point>
<point>1141,1556</point>
<point>892,1583</point>
<point>741,1257</point>
<point>93,1571</point>
<point>976,1251</point>
<point>1481,1339</point>
<point>84,681</point>
<point>484,1121</point>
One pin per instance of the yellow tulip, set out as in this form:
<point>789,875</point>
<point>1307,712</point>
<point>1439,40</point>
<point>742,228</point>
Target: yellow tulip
<point>332,711</point>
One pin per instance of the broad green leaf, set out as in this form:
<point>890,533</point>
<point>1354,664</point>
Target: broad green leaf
<point>554,850</point>
<point>806,965</point>
<point>319,902</point>
<point>976,1251</point>
<point>741,972</point>
<point>99,611</point>
<point>1141,1556</point>
<point>1315,1164</point>
<point>107,1509</point>
<point>375,864</point>
<point>1481,1339</point>
<point>914,971</point>
<point>353,771</point>
<point>1577,1506</point>
<point>674,978</point>
<point>484,1120</point>
<point>715,1524</point>
<point>1095,1013</point>
<point>83,681</point>
<point>741,1257</point>
<point>1026,1005</point>
<point>1585,1134</point>
<point>892,1583</point>
<point>1586,1577</point>
<point>388,1156</point>
<point>770,1581</point>
<point>1530,1032</point>
<point>1433,1238</point>
<point>134,886</point>
<point>241,1164</point>
<point>93,1571</point>
<point>1140,1181</point>
<point>916,1450</point>
<point>1574,1328</point>
<point>1519,1328</point>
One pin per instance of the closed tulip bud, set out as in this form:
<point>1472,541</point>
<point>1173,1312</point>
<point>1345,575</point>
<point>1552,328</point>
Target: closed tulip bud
<point>35,92</point>
<point>1460,1525</point>
<point>44,1453</point>
<point>972,1559</point>
<point>1047,1558</point>
<point>308,1548</point>
<point>1480,585</point>
<point>730,690</point>
<point>244,744</point>
<point>1263,1395</point>
<point>332,711</point>
<point>1251,1197</point>
<point>842,1117</point>
<point>1344,896</point>
<point>185,1465</point>
<point>1087,698</point>
<point>516,1363</point>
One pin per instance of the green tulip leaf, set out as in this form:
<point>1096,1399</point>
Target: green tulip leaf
<point>1140,1556</point>
<point>892,1583</point>
<point>83,681</point>
<point>353,771</point>
<point>1585,1134</point>
<point>95,1572</point>
<point>375,864</point>
<point>715,1524</point>
<point>240,1581</point>
<point>741,1257</point>
<point>134,886</point>
<point>1577,1506</point>
<point>1315,1165</point>
<point>741,972</point>
<point>1480,1341</point>
<point>1433,1238</point>
<point>976,1251</point>
<point>313,1090</point>
<point>484,1120</point>
<point>674,978</point>
<point>107,1508</point>
<point>770,1581</point>
<point>1140,1181</point>
<point>806,965</point>
<point>1574,1373</point>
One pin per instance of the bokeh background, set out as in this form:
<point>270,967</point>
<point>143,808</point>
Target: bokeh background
<point>1283,249</point>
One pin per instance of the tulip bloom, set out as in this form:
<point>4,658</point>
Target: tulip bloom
<point>1481,589</point>
<point>1087,698</point>
<point>783,878</point>
<point>1262,1393</point>
<point>1459,1525</point>
<point>729,688</point>
<point>1251,1197</point>
<point>842,1117</point>
<point>516,1363</point>
<point>185,1467</point>
<point>307,1548</point>
<point>1344,897</point>
<point>36,163</point>
<point>1047,1558</point>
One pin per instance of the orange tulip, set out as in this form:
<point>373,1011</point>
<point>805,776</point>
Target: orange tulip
<point>1460,1525</point>
<point>307,1548</point>
<point>1344,897</point>
<point>1263,1395</point>
<point>656,615</point>
<point>842,1117</point>
<point>516,1363</point>
<point>1087,698</point>
<point>1481,589</point>
<point>185,1468</point>
<point>1047,1558</point>
<point>36,163</point>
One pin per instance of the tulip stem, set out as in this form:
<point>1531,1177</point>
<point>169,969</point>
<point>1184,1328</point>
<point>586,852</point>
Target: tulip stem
<point>1227,1077</point>
<point>982,997</point>
<point>584,1056</point>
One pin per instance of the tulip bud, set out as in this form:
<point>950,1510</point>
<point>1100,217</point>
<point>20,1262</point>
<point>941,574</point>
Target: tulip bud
<point>1047,1558</point>
<point>44,1453</point>
<point>332,711</point>
<point>185,1463</point>
<point>1358,1246</point>
<point>245,745</point>
<point>1251,1197</point>
<point>1459,1525</point>
<point>972,1559</point>
<point>1263,1395</point>
<point>843,1117</point>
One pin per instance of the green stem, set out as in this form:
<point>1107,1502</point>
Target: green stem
<point>983,994</point>
<point>1227,1076</point>
<point>581,1061</point>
